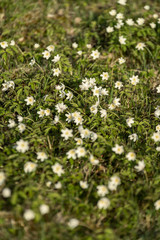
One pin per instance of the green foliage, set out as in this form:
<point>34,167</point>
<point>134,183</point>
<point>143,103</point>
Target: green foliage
<point>132,213</point>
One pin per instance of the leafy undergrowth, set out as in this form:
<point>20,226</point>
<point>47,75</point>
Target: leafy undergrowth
<point>80,120</point>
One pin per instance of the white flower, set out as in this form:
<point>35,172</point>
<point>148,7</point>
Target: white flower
<point>140,21</point>
<point>29,100</point>
<point>73,223</point>
<point>48,184</point>
<point>32,62</point>
<point>104,92</point>
<point>7,85</point>
<point>58,169</point>
<point>11,84</point>
<point>102,190</point>
<point>158,128</point>
<point>41,156</point>
<point>79,53</point>
<point>11,123</point>
<point>30,167</point>
<point>112,186</point>
<point>118,149</point>
<point>44,209</point>
<point>111,106</point>
<point>113,183</point>
<point>103,203</point>
<point>95,54</point>
<point>121,60</point>
<point>140,46</point>
<point>89,46</point>
<point>158,89</point>
<point>20,118</point>
<point>47,112</point>
<point>56,58</point>
<point>155,15</point>
<point>60,107</point>
<point>62,94</point>
<point>78,120</point>
<point>85,133</point>
<point>22,146</point>
<point>94,109</point>
<point>140,166</point>
<point>36,45</point>
<point>105,76</point>
<point>66,133</point>
<point>116,180</point>
<point>83,184</point>
<point>69,117</point>
<point>21,127</point>
<point>56,72</point>
<point>69,95</point>
<point>12,43</point>
<point>2,178</point>
<point>158,149</point>
<point>157,112</point>
<point>93,136</point>
<point>130,22</point>
<point>58,185</point>
<point>119,16</point>
<point>118,85</point>
<point>120,22</point>
<point>130,121</point>
<point>113,12</point>
<point>96,91</point>
<point>60,87</point>
<point>116,101</point>
<point>156,136</point>
<point>133,137</point>
<point>122,2</point>
<point>146,7</point>
<point>93,160</point>
<point>87,83</point>
<point>51,48</point>
<point>56,119</point>
<point>74,45</point>
<point>118,25</point>
<point>71,154</point>
<point>46,54</point>
<point>109,29</point>
<point>79,141</point>
<point>134,80</point>
<point>122,40</point>
<point>103,113</point>
<point>157,205</point>
<point>131,156</point>
<point>4,44</point>
<point>6,193</point>
<point>29,215</point>
<point>41,112</point>
<point>81,152</point>
<point>80,129</point>
<point>153,25</point>
<point>158,108</point>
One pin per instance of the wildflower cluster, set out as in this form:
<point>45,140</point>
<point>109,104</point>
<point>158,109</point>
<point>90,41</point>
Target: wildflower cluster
<point>81,124</point>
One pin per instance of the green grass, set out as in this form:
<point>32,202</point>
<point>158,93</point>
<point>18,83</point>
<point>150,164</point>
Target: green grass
<point>131,214</point>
